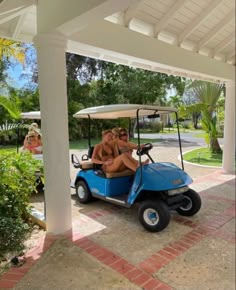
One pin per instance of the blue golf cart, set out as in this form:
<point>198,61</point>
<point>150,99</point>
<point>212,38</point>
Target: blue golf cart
<point>157,188</point>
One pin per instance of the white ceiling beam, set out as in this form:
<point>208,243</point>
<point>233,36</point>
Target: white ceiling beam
<point>9,6</point>
<point>224,43</point>
<point>7,17</point>
<point>212,33</point>
<point>79,13</point>
<point>15,30</point>
<point>167,17</point>
<point>198,20</point>
<point>129,14</point>
<point>140,48</point>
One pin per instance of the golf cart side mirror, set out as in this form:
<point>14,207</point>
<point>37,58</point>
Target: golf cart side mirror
<point>75,161</point>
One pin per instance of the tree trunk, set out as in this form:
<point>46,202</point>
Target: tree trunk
<point>215,146</point>
<point>132,131</point>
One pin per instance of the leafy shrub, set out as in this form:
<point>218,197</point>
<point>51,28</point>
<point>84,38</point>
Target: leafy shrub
<point>13,233</point>
<point>17,172</point>
<point>157,126</point>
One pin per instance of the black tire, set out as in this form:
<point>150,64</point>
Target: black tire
<point>39,185</point>
<point>82,191</point>
<point>192,205</point>
<point>154,215</point>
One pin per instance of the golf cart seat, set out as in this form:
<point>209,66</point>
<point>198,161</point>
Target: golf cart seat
<point>86,165</point>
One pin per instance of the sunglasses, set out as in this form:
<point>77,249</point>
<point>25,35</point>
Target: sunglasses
<point>122,135</point>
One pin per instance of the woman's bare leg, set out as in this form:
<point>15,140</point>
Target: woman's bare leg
<point>122,162</point>
<point>136,161</point>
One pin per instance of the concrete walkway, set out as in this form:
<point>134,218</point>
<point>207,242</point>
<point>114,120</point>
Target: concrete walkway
<point>109,249</point>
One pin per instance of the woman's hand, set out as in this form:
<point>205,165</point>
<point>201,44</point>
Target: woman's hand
<point>108,162</point>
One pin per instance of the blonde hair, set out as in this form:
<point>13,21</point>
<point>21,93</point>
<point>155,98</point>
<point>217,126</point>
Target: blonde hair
<point>105,132</point>
<point>115,132</point>
<point>31,133</point>
<point>33,126</point>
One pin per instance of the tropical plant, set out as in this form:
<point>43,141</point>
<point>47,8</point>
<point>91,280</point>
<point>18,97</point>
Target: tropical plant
<point>11,48</point>
<point>18,181</point>
<point>11,106</point>
<point>208,94</point>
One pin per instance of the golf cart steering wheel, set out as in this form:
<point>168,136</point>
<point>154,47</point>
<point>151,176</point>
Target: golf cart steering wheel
<point>144,150</point>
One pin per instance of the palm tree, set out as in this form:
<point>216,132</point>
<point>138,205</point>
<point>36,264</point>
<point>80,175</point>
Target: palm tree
<point>10,48</point>
<point>208,94</point>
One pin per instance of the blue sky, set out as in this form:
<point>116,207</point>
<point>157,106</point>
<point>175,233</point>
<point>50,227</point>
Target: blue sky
<point>19,75</point>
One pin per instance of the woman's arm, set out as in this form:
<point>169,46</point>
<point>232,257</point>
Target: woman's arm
<point>96,156</point>
<point>130,145</point>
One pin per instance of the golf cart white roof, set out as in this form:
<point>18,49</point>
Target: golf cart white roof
<point>31,115</point>
<point>122,111</point>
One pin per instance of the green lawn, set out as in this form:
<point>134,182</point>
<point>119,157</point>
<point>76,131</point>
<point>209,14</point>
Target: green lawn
<point>81,144</point>
<point>10,148</point>
<point>203,156</point>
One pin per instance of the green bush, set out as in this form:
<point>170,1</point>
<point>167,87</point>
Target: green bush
<point>13,233</point>
<point>17,172</point>
<point>157,126</point>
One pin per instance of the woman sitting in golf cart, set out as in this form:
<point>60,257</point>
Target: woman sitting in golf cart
<point>104,154</point>
<point>121,143</point>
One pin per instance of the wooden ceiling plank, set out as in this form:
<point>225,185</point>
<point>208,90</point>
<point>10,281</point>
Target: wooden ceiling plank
<point>225,21</point>
<point>224,43</point>
<point>167,17</point>
<point>198,20</point>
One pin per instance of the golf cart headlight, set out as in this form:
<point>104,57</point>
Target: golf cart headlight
<point>177,190</point>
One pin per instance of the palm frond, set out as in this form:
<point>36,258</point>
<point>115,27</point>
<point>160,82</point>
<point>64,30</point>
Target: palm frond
<point>206,92</point>
<point>11,48</point>
<point>12,126</point>
<point>11,107</point>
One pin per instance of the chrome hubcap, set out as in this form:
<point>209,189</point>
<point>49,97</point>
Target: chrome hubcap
<point>151,216</point>
<point>187,204</point>
<point>81,192</point>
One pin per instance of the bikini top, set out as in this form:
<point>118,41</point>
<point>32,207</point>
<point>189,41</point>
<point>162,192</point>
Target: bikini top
<point>106,150</point>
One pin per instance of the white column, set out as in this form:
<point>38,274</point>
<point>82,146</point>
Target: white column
<point>51,49</point>
<point>229,129</point>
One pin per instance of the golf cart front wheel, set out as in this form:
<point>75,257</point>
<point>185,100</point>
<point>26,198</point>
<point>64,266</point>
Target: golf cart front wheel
<point>154,215</point>
<point>192,203</point>
<point>82,191</point>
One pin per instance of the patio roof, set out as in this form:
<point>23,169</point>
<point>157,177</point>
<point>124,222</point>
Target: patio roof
<point>175,32</point>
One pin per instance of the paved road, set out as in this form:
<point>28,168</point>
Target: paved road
<point>185,138</point>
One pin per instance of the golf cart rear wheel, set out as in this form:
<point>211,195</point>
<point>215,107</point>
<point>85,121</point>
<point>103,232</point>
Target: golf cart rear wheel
<point>192,203</point>
<point>82,191</point>
<point>154,215</point>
